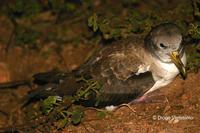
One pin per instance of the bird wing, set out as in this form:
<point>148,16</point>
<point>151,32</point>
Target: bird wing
<point>122,60</point>
<point>115,67</point>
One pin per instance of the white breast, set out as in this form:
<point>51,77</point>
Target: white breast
<point>169,71</point>
<point>165,75</point>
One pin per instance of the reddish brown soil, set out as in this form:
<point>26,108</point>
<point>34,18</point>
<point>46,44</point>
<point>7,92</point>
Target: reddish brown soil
<point>182,97</point>
<point>183,102</point>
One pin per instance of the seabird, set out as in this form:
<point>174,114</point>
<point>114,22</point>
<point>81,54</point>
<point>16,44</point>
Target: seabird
<point>126,70</point>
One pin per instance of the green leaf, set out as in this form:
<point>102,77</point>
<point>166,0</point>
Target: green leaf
<point>48,104</point>
<point>193,58</point>
<point>92,22</point>
<point>70,6</point>
<point>55,4</point>
<point>25,8</point>
<point>194,31</point>
<point>77,116</point>
<point>26,36</point>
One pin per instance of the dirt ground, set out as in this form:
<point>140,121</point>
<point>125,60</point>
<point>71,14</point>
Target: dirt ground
<point>179,112</point>
<point>67,44</point>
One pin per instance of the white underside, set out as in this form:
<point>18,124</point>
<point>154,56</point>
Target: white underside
<point>169,72</point>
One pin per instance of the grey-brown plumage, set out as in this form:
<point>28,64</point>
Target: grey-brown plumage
<point>115,66</point>
<point>126,69</point>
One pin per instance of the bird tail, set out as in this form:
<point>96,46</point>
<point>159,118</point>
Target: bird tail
<point>53,83</point>
<point>14,84</point>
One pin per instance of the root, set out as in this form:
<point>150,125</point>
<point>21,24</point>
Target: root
<point>126,105</point>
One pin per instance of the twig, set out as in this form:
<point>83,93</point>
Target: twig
<point>126,105</point>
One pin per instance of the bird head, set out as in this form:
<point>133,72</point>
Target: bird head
<point>165,43</point>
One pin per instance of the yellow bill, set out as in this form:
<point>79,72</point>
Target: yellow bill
<point>178,63</point>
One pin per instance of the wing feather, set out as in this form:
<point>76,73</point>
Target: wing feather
<point>118,67</point>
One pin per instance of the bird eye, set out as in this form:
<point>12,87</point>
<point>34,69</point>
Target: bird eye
<point>163,46</point>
